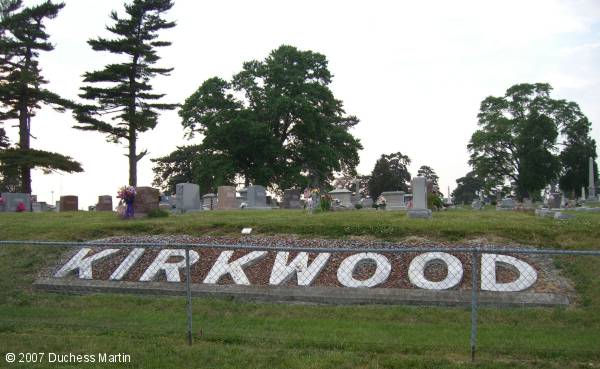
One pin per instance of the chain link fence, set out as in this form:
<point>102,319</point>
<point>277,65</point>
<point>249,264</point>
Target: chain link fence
<point>396,274</point>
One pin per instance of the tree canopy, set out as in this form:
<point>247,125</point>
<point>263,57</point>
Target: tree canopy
<point>517,139</point>
<point>124,104</point>
<point>276,123</point>
<point>430,175</point>
<point>389,174</point>
<point>467,188</point>
<point>22,37</point>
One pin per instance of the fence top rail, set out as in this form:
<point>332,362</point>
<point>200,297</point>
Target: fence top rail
<point>392,248</point>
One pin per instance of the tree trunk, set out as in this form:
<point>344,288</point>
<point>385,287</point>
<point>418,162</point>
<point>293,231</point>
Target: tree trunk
<point>24,144</point>
<point>132,158</point>
<point>25,128</point>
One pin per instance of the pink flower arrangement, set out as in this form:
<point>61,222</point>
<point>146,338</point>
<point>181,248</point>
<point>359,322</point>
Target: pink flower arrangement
<point>126,193</point>
<point>21,207</point>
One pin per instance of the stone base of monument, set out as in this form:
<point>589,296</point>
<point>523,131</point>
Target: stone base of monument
<point>586,209</point>
<point>391,207</point>
<point>419,213</point>
<point>545,213</point>
<point>257,208</point>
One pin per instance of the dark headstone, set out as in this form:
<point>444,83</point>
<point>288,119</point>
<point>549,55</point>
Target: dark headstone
<point>105,203</point>
<point>291,199</point>
<point>69,203</point>
<point>146,200</point>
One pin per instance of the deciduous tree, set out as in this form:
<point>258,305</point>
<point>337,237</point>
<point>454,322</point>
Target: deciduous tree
<point>516,140</point>
<point>276,123</point>
<point>389,174</point>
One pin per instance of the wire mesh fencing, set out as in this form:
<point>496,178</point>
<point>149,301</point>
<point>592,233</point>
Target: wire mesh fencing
<point>460,276</point>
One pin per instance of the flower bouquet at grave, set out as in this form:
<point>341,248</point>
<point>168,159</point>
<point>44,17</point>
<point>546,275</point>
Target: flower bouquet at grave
<point>127,195</point>
<point>20,207</point>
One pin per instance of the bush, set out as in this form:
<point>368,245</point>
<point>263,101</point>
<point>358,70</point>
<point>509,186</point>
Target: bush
<point>158,213</point>
<point>358,206</point>
<point>434,202</point>
<point>325,203</point>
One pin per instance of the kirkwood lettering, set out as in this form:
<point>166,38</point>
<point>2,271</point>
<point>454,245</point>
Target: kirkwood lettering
<point>172,262</point>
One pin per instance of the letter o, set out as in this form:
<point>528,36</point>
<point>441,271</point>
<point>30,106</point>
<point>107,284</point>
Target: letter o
<point>345,272</point>
<point>416,271</point>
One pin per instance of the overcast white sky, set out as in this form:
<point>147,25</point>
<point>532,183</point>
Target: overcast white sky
<point>413,72</point>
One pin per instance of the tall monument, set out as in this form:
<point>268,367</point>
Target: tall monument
<point>592,187</point>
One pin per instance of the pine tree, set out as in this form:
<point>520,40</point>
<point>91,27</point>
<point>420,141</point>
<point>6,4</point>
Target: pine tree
<point>124,104</point>
<point>22,38</point>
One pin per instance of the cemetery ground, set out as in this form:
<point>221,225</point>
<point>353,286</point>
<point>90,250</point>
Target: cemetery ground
<point>234,334</point>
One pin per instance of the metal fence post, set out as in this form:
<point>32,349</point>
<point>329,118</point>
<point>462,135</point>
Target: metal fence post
<point>189,293</point>
<point>474,301</point>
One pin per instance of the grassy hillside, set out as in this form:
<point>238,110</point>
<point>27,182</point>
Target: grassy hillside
<point>233,334</point>
<point>455,225</point>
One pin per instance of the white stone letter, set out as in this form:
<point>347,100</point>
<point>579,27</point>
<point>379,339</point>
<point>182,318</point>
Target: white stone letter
<point>416,271</point>
<point>527,275</point>
<point>235,268</point>
<point>126,265</point>
<point>283,272</point>
<point>79,261</point>
<point>345,273</point>
<point>171,269</point>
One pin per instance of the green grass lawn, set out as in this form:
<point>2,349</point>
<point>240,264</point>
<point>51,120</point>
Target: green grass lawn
<point>233,334</point>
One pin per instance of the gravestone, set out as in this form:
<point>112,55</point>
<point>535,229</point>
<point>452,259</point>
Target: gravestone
<point>356,197</point>
<point>12,199</point>
<point>39,207</point>
<point>187,197</point>
<point>69,203</point>
<point>343,195</point>
<point>209,201</point>
<point>554,200</point>
<point>146,200</point>
<point>291,199</point>
<point>367,202</point>
<point>394,200</point>
<point>105,203</point>
<point>57,206</point>
<point>226,198</point>
<point>419,199</point>
<point>507,204</point>
<point>256,198</point>
<point>477,204</point>
<point>527,203</point>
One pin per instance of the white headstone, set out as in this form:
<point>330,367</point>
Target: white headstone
<point>343,195</point>
<point>394,200</point>
<point>419,199</point>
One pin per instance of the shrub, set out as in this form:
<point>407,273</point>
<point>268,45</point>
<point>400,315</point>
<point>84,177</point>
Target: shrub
<point>158,213</point>
<point>325,203</point>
